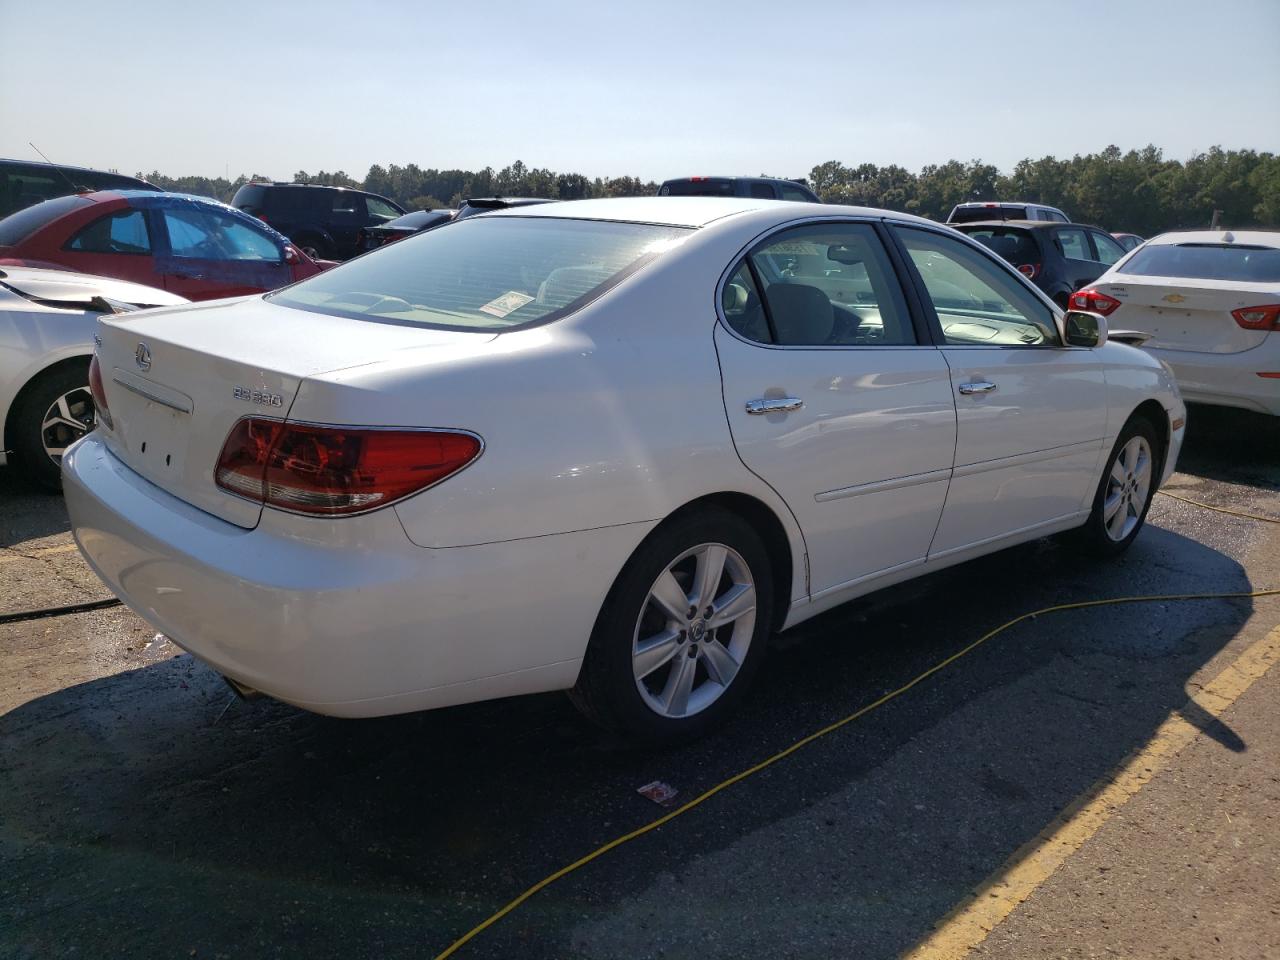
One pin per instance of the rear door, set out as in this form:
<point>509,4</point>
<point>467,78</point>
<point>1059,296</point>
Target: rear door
<point>1073,243</point>
<point>348,214</point>
<point>116,245</point>
<point>211,253</point>
<point>835,400</point>
<point>1031,412</point>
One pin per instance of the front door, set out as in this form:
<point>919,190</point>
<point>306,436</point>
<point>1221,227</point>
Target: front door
<point>835,401</point>
<point>1031,412</point>
<point>213,253</point>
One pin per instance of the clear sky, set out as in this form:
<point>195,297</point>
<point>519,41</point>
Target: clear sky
<point>655,90</point>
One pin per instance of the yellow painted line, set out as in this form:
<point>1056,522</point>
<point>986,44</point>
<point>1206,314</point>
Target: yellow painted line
<point>38,554</point>
<point>973,920</point>
<point>1210,506</point>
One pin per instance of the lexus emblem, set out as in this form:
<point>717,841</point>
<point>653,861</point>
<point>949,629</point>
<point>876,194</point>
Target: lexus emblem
<point>142,356</point>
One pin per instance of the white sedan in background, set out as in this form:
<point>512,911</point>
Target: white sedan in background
<point>1210,303</point>
<point>606,446</point>
<point>47,319</point>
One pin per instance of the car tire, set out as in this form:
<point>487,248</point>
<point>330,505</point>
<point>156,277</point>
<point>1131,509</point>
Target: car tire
<point>662,675</point>
<point>313,247</point>
<point>53,410</point>
<point>1125,490</point>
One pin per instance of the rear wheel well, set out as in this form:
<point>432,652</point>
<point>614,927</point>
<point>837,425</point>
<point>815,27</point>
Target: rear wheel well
<point>771,532</point>
<point>6,442</point>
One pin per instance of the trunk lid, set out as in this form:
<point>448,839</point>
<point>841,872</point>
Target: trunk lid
<point>1186,314</point>
<point>177,380</point>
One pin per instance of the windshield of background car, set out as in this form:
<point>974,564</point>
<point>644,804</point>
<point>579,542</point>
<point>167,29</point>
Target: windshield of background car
<point>1011,243</point>
<point>488,273</point>
<point>704,187</point>
<point>18,226</point>
<point>1205,261</point>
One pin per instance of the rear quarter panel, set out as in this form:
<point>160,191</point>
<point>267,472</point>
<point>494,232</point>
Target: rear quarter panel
<point>32,341</point>
<point>611,416</point>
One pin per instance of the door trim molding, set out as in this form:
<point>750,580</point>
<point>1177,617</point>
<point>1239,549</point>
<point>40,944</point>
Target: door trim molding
<point>1035,456</point>
<point>876,486</point>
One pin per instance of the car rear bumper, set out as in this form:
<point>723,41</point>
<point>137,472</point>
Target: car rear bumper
<point>1228,379</point>
<point>345,617</point>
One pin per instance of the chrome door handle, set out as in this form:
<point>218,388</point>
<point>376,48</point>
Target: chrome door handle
<point>978,386</point>
<point>780,405</point>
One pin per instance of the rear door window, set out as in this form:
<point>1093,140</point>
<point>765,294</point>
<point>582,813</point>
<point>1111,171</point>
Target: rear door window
<point>122,232</point>
<point>699,187</point>
<point>829,284</point>
<point>763,191</point>
<point>1074,244</point>
<point>795,193</point>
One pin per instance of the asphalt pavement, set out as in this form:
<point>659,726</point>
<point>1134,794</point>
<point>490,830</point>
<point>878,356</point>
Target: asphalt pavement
<point>145,812</point>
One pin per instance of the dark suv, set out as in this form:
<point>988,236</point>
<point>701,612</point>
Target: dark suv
<point>323,222</point>
<point>1059,258</point>
<point>24,184</point>
<point>762,188</point>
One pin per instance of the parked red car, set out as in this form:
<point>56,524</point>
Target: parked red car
<point>192,246</point>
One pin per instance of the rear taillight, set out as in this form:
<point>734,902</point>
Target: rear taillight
<point>1029,270</point>
<point>1094,302</point>
<point>1258,318</point>
<point>330,470</point>
<point>99,394</point>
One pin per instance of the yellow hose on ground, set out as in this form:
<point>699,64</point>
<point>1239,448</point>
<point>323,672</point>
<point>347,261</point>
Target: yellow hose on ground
<point>1209,506</point>
<point>805,741</point>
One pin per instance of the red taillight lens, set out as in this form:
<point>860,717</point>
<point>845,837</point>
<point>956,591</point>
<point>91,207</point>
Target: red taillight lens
<point>1029,270</point>
<point>1094,302</point>
<point>99,394</point>
<point>332,471</point>
<point>1258,318</point>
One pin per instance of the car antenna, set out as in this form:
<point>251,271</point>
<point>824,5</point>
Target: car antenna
<point>63,173</point>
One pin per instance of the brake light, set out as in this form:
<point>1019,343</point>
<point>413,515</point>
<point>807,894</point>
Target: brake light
<point>1029,270</point>
<point>1258,318</point>
<point>332,470</point>
<point>98,393</point>
<point>1094,302</point>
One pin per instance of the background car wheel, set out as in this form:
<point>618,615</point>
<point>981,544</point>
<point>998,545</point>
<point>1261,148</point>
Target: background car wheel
<point>1125,492</point>
<point>1062,300</point>
<point>682,631</point>
<point>313,247</point>
<point>53,411</point>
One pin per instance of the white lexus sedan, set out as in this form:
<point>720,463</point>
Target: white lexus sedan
<point>606,446</point>
<point>1209,301</point>
<point>47,319</point>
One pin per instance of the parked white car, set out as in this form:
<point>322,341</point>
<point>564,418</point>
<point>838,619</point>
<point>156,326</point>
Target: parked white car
<point>47,318</point>
<point>1210,303</point>
<point>606,446</point>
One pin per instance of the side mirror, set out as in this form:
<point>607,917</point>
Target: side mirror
<point>1084,329</point>
<point>291,256</point>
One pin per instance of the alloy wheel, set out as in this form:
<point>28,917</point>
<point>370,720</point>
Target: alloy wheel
<point>694,630</point>
<point>1128,485</point>
<point>68,419</point>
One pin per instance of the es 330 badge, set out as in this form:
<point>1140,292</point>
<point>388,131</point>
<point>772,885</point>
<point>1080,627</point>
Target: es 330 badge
<point>264,397</point>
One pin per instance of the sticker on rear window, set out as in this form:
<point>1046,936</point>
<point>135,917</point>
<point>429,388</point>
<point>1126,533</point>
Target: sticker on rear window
<point>508,302</point>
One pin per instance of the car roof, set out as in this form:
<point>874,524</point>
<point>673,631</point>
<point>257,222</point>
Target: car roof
<point>736,177</point>
<point>1027,224</point>
<point>1261,238</point>
<point>1005,203</point>
<point>691,211</point>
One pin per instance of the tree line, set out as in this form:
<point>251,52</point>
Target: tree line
<point>1139,191</point>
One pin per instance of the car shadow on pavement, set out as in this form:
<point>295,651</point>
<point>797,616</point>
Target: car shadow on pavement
<point>148,814</point>
<point>29,512</point>
<point>1236,446</point>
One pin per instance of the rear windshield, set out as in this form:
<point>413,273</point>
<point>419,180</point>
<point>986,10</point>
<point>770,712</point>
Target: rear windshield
<point>1016,246</point>
<point>489,273</point>
<point>18,226</point>
<point>974,214</point>
<point>702,187</point>
<point>1206,261</point>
